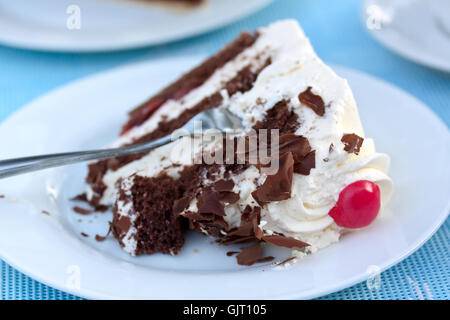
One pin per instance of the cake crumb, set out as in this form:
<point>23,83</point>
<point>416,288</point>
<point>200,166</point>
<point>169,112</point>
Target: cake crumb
<point>195,250</point>
<point>2,196</point>
<point>45,212</point>
<point>84,234</point>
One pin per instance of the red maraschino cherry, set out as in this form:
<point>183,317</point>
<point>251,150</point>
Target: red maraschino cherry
<point>357,206</point>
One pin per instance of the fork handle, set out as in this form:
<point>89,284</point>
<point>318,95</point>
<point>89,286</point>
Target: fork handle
<point>12,167</point>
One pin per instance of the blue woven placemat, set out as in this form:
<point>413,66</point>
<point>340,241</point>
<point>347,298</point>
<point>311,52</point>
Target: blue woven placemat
<point>338,37</point>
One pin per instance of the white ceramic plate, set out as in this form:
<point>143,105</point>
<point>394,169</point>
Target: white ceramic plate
<point>111,24</point>
<point>417,30</point>
<point>88,113</point>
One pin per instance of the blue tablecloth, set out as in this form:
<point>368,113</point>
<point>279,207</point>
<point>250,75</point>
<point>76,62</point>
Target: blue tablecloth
<point>338,37</point>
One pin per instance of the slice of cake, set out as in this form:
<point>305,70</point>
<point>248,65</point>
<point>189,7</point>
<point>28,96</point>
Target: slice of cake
<point>328,177</point>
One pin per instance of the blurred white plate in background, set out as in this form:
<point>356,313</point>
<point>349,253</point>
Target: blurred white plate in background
<point>52,25</point>
<point>88,114</point>
<point>418,30</point>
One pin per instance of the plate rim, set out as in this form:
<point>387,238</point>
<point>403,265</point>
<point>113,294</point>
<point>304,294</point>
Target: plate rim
<point>112,46</point>
<point>398,50</point>
<point>345,283</point>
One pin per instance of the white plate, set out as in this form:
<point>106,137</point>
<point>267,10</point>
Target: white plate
<point>111,24</point>
<point>88,113</point>
<point>418,30</point>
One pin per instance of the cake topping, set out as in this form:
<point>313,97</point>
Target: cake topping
<point>298,145</point>
<point>313,101</point>
<point>357,206</point>
<point>249,255</point>
<point>208,202</point>
<point>122,225</point>
<point>277,187</point>
<point>223,185</point>
<point>180,204</point>
<point>279,117</point>
<point>244,230</point>
<point>266,259</point>
<point>227,197</point>
<point>352,143</point>
<point>305,165</point>
<point>304,158</point>
<point>283,241</point>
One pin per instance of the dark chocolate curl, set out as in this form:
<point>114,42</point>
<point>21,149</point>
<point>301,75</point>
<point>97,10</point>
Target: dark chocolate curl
<point>352,143</point>
<point>313,101</point>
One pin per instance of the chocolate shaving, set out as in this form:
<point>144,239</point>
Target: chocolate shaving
<point>208,202</point>
<point>121,225</point>
<point>81,210</point>
<point>248,230</point>
<point>248,212</point>
<point>305,165</point>
<point>199,217</point>
<point>2,196</point>
<point>258,233</point>
<point>231,253</point>
<point>253,215</point>
<point>265,259</point>
<point>279,117</point>
<point>233,240</point>
<point>45,212</point>
<point>304,158</point>
<point>283,241</point>
<point>181,204</point>
<point>223,185</point>
<point>84,234</point>
<point>277,187</point>
<point>313,101</point>
<point>352,143</point>
<point>298,145</point>
<point>83,198</point>
<point>228,197</point>
<point>249,255</point>
<point>80,197</point>
<point>100,238</point>
<point>285,261</point>
<point>244,230</point>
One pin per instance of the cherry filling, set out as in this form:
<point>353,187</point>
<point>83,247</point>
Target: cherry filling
<point>357,206</point>
<point>141,114</point>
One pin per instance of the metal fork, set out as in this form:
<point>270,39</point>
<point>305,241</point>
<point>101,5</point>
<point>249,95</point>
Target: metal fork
<point>218,118</point>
